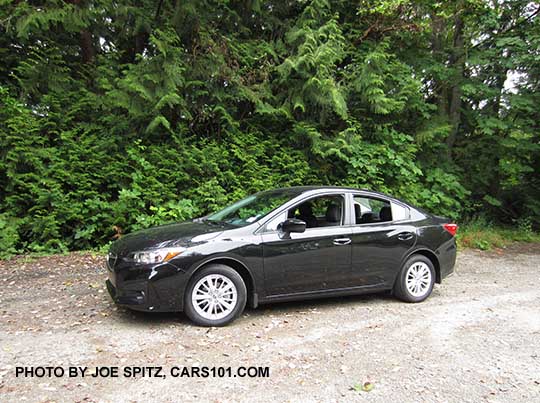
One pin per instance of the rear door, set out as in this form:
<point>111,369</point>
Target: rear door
<point>381,237</point>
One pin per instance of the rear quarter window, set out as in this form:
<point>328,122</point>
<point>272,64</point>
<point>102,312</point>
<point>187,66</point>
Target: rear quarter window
<point>400,212</point>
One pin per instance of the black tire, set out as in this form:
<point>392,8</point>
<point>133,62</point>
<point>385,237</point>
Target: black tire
<point>401,290</point>
<point>230,274</point>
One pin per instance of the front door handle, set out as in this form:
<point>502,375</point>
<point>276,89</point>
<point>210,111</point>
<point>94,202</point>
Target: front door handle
<point>342,241</point>
<point>405,236</point>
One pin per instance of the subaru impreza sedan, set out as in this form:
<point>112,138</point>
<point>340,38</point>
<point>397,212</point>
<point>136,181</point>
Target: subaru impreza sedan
<point>282,245</point>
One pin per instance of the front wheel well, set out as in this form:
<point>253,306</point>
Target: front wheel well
<point>240,269</point>
<point>433,258</point>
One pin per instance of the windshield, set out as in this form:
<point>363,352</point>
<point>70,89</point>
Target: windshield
<point>253,208</point>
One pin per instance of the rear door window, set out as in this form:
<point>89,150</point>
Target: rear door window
<point>372,210</point>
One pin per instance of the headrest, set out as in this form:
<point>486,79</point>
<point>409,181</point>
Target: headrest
<point>385,214</point>
<point>305,209</point>
<point>333,213</point>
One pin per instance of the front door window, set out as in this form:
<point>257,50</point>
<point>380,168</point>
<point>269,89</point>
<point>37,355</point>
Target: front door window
<point>323,211</point>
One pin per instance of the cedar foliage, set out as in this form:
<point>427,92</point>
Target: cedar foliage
<point>119,115</point>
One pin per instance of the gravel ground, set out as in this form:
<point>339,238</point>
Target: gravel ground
<point>476,339</point>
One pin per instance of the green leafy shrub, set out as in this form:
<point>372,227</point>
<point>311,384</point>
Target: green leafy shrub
<point>9,236</point>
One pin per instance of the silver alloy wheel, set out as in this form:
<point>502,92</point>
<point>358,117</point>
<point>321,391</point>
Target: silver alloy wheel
<point>418,279</point>
<point>214,297</point>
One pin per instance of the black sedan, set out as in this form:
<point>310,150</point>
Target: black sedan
<point>280,245</point>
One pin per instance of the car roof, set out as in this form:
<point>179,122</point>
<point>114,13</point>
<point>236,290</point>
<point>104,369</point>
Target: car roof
<point>305,189</point>
<point>300,190</point>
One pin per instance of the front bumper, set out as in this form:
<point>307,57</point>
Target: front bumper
<point>132,297</point>
<point>149,288</point>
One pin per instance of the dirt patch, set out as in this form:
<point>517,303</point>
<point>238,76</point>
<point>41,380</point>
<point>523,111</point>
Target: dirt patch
<point>476,339</point>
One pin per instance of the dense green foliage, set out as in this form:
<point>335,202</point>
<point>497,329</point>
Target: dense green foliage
<point>117,115</point>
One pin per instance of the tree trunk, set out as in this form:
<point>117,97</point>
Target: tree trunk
<point>441,87</point>
<point>141,43</point>
<point>457,63</point>
<point>88,52</point>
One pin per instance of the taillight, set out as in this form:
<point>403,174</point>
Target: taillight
<point>451,228</point>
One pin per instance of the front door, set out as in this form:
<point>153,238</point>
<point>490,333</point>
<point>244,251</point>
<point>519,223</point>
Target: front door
<point>317,259</point>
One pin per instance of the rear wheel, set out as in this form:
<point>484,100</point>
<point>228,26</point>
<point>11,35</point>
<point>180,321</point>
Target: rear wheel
<point>416,279</point>
<point>215,296</point>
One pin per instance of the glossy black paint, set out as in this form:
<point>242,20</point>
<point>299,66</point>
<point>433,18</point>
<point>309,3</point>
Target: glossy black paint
<point>307,262</point>
<point>324,261</point>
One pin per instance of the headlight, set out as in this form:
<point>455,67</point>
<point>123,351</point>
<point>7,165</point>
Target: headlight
<point>156,255</point>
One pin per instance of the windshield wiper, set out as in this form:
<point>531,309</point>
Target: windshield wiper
<point>215,222</point>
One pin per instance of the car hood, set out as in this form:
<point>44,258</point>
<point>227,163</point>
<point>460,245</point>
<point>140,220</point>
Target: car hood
<point>178,234</point>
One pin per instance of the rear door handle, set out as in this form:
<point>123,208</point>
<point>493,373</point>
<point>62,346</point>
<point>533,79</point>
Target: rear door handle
<point>405,236</point>
<point>342,241</point>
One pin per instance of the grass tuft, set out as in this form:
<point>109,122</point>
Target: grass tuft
<point>481,234</point>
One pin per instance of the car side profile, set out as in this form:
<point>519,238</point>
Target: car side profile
<point>282,245</point>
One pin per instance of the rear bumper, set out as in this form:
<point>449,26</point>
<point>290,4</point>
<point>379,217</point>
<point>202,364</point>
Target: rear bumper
<point>447,258</point>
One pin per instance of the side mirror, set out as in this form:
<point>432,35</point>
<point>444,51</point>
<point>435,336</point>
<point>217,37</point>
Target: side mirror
<point>292,225</point>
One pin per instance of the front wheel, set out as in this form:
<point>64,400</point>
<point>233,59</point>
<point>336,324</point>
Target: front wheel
<point>215,296</point>
<point>416,279</point>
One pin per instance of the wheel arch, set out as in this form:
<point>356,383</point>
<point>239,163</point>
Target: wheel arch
<point>240,268</point>
<point>432,257</point>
